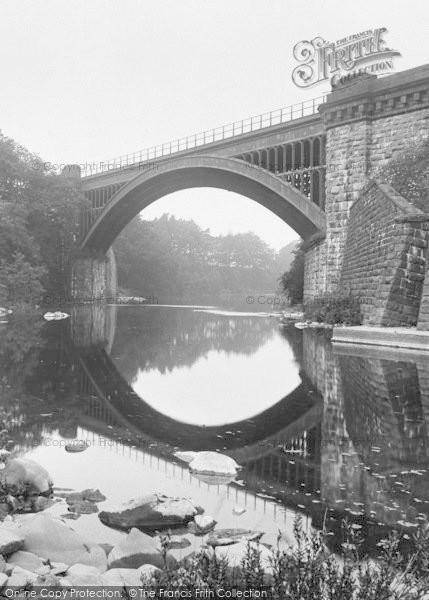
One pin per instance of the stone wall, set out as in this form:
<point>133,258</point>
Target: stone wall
<point>94,278</point>
<point>385,256</point>
<point>423,322</point>
<point>315,269</point>
<point>368,122</point>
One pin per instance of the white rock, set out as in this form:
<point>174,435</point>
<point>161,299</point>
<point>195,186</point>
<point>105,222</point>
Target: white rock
<point>3,579</point>
<point>238,510</point>
<point>148,571</point>
<point>21,578</point>
<point>185,456</point>
<point>28,474</point>
<point>204,523</point>
<point>214,463</point>
<point>52,539</point>
<point>10,541</point>
<point>26,560</point>
<point>122,577</point>
<point>79,574</point>
<point>135,549</point>
<point>55,316</point>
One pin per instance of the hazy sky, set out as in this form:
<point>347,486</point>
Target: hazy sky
<point>87,80</point>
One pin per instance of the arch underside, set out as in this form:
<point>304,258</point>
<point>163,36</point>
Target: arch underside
<point>233,175</point>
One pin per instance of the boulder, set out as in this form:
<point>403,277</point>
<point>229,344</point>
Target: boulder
<point>3,580</point>
<point>10,541</point>
<point>20,578</point>
<point>83,507</point>
<point>25,560</point>
<point>93,495</point>
<point>204,523</point>
<point>213,479</point>
<point>121,578</point>
<point>23,473</point>
<point>136,549</point>
<point>178,543</point>
<point>52,539</point>
<point>235,553</point>
<point>151,513</point>
<point>76,446</point>
<point>226,537</point>
<point>238,510</point>
<point>186,457</point>
<point>79,574</point>
<point>40,503</point>
<point>148,572</point>
<point>213,463</point>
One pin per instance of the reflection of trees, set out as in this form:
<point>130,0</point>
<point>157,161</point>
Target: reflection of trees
<point>163,339</point>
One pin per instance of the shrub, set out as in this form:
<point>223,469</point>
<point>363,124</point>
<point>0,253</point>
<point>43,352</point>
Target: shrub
<point>292,281</point>
<point>334,309</point>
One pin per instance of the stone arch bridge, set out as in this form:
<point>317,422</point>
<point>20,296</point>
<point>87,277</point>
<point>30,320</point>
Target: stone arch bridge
<point>314,165</point>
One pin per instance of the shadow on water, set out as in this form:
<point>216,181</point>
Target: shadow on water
<point>349,441</point>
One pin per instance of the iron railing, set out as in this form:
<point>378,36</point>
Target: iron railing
<point>275,117</point>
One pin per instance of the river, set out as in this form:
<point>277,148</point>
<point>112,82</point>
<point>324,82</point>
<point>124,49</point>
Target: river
<point>326,432</point>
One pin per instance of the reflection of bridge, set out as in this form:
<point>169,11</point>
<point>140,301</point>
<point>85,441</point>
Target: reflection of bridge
<point>301,409</point>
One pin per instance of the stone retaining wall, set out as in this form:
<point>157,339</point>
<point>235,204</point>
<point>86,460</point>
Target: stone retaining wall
<point>385,256</point>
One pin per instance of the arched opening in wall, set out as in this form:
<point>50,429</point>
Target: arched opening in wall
<point>204,243</point>
<point>208,260</point>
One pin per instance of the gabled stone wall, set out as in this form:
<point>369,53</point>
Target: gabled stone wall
<point>385,256</point>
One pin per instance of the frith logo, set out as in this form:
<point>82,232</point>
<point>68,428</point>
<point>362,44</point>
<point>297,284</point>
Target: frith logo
<point>363,52</point>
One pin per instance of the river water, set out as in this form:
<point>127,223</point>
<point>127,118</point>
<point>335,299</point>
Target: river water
<point>324,431</point>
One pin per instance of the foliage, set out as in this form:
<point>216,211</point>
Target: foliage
<point>39,219</point>
<point>174,259</point>
<point>408,174</point>
<point>334,309</point>
<point>292,281</point>
<point>308,570</point>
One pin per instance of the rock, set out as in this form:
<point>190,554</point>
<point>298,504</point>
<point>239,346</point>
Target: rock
<point>3,580</point>
<point>213,463</point>
<point>107,548</point>
<point>71,515</point>
<point>204,523</point>
<point>20,578</point>
<point>27,474</point>
<point>178,543</point>
<point>225,537</point>
<point>236,552</point>
<point>214,479</point>
<point>58,568</point>
<point>135,549</point>
<point>25,560</point>
<point>186,457</point>
<point>93,495</point>
<point>76,446</point>
<point>238,510</point>
<point>64,582</point>
<point>10,541</point>
<point>148,572</point>
<point>40,503</point>
<point>3,565</point>
<point>44,570</point>
<point>122,577</point>
<point>55,316</point>
<point>79,574</point>
<point>83,507</point>
<point>52,539</point>
<point>48,580</point>
<point>151,513</point>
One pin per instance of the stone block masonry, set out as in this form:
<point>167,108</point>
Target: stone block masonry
<point>385,257</point>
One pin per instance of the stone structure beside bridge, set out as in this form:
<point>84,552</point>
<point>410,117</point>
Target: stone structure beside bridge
<point>315,166</point>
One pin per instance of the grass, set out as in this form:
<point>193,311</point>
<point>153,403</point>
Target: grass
<point>308,570</point>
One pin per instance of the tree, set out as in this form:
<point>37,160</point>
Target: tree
<point>292,281</point>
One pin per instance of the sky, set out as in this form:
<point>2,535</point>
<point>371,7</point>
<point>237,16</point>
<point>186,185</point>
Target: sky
<point>88,80</point>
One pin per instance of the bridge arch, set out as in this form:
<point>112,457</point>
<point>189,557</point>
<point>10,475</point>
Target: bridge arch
<point>162,178</point>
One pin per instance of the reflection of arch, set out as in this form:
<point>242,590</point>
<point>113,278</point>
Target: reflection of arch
<point>204,171</point>
<point>121,400</point>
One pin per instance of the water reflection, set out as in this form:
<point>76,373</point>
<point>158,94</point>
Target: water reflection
<point>349,439</point>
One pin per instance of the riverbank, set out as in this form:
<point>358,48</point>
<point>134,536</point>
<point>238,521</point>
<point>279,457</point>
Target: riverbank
<point>394,337</point>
